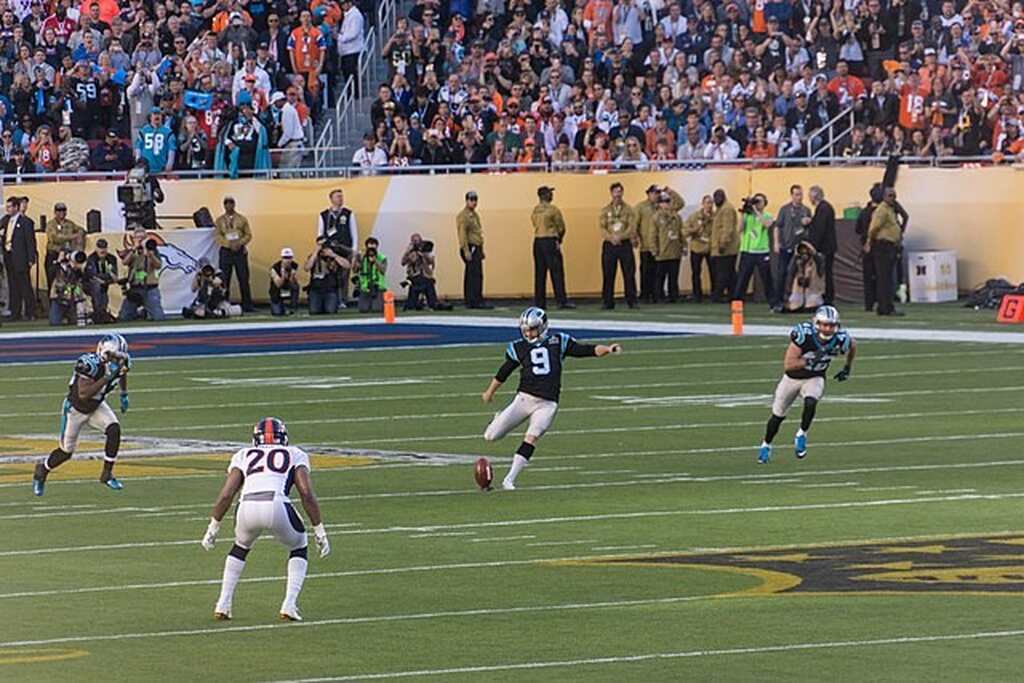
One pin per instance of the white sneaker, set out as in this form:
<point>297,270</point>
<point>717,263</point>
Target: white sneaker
<point>342,305</point>
<point>290,614</point>
<point>221,614</point>
<point>508,485</point>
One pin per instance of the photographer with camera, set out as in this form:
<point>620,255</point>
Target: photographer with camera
<point>419,262</point>
<point>326,268</point>
<point>284,285</point>
<point>62,235</point>
<point>369,277</point>
<point>101,267</point>
<point>71,291</point>
<point>755,249</point>
<point>141,285</point>
<point>211,295</point>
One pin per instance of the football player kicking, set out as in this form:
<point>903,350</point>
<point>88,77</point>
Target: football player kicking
<point>539,357</point>
<point>265,474</point>
<point>812,346</point>
<point>95,376</point>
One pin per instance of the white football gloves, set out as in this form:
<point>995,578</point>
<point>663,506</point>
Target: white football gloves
<point>210,537</point>
<point>321,540</point>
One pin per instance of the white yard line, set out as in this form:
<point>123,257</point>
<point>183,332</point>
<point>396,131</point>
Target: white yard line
<point>656,656</point>
<point>624,547</point>
<point>554,543</point>
<point>836,485</point>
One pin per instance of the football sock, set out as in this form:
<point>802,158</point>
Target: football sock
<point>56,458</point>
<point>810,406</point>
<point>772,428</point>
<point>113,445</point>
<point>518,463</point>
<point>233,566</point>
<point>296,576</point>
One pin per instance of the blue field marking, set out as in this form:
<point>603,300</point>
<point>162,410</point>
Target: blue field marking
<point>276,339</point>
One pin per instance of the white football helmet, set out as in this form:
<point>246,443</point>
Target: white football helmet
<point>112,347</point>
<point>533,320</point>
<point>826,321</point>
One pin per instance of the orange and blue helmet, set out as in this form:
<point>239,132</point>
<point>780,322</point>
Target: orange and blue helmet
<point>270,430</point>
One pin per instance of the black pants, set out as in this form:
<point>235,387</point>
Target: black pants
<point>723,270</point>
<point>350,67</point>
<point>884,255</point>
<point>547,258</point>
<point>762,263</point>
<point>696,274</point>
<point>19,287</point>
<point>617,257</point>
<point>648,274</point>
<point>421,287</point>
<point>237,262</point>
<point>867,262</point>
<point>830,278</point>
<point>50,265</point>
<point>667,281</point>
<point>473,277</point>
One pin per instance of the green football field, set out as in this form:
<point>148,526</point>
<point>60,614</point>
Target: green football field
<point>644,542</point>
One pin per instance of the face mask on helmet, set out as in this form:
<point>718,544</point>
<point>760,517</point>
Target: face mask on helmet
<point>826,322</point>
<point>533,323</point>
<point>112,347</point>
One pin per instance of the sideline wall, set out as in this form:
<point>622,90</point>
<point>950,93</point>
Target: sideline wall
<point>977,212</point>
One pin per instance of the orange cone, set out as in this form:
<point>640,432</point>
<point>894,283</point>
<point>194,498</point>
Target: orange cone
<point>737,317</point>
<point>389,307</point>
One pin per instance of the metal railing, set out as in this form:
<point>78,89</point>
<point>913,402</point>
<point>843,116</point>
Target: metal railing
<point>833,138</point>
<point>324,144</point>
<point>387,18</point>
<point>348,171</point>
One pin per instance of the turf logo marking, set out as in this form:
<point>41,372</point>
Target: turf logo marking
<point>39,655</point>
<point>978,564</point>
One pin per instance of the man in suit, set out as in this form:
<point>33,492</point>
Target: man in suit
<point>17,235</point>
<point>823,237</point>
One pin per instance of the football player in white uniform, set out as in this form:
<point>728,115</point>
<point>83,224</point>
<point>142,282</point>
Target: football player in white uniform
<point>265,474</point>
<point>812,346</point>
<point>95,376</point>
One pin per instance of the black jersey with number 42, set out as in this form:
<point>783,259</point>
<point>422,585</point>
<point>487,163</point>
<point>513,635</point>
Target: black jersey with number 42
<point>540,363</point>
<point>817,354</point>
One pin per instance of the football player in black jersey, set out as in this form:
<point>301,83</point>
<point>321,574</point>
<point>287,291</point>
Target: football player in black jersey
<point>539,357</point>
<point>812,346</point>
<point>95,376</point>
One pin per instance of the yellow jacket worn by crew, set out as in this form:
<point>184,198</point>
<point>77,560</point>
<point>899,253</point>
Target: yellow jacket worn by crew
<point>232,229</point>
<point>725,234</point>
<point>64,234</point>
<point>547,221</point>
<point>884,225</point>
<point>471,233</point>
<point>618,223</point>
<point>697,229</point>
<point>645,211</point>
<point>669,246</point>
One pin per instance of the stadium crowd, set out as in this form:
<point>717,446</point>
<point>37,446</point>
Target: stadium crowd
<point>640,83</point>
<point>195,84</point>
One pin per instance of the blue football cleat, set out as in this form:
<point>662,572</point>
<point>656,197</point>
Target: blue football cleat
<point>800,442</point>
<point>113,484</point>
<point>37,486</point>
<point>765,455</point>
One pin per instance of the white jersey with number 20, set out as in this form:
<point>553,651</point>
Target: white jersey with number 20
<point>268,468</point>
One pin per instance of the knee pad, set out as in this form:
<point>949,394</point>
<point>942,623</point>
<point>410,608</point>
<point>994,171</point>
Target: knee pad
<point>238,552</point>
<point>299,552</point>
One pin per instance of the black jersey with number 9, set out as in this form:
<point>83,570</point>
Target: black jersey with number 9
<point>540,363</point>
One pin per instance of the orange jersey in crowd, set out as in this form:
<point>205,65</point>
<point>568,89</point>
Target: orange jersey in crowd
<point>599,14</point>
<point>912,106</point>
<point>306,46</point>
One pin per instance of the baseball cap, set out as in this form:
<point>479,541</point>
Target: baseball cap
<point>544,189</point>
<point>60,206</point>
<point>101,243</point>
<point>653,188</point>
<point>277,97</point>
<point>287,253</point>
<point>229,198</point>
<point>471,195</point>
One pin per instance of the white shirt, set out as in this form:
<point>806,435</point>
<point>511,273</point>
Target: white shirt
<point>674,28</point>
<point>730,149</point>
<point>350,38</point>
<point>557,23</point>
<point>291,125</point>
<point>268,468</point>
<point>262,81</point>
<point>369,160</point>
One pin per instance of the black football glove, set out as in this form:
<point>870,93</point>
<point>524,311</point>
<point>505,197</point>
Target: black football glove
<point>843,374</point>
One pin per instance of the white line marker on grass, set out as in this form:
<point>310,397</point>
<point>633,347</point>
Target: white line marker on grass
<point>653,656</point>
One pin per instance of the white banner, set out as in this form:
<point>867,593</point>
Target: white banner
<point>180,251</point>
